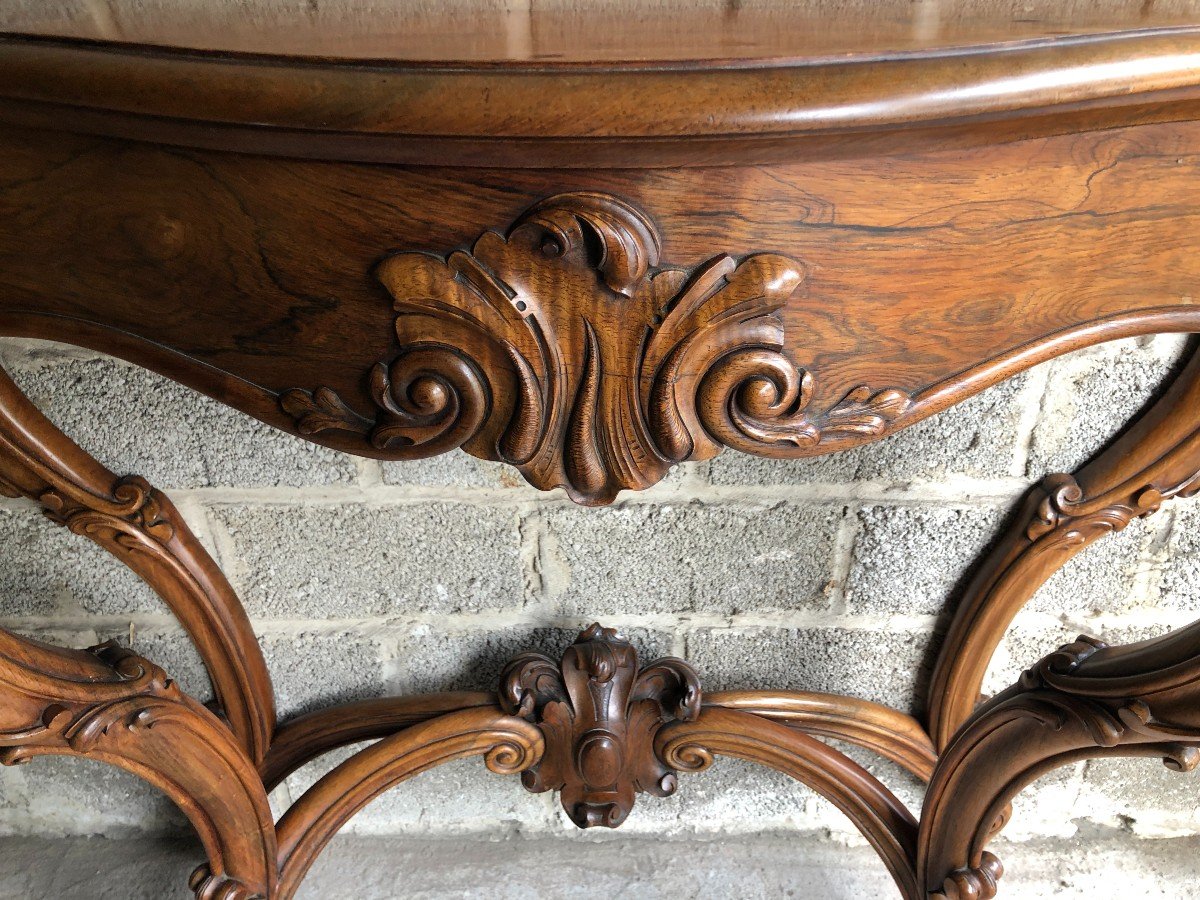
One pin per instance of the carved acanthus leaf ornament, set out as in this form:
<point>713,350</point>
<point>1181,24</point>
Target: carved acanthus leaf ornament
<point>599,713</point>
<point>564,349</point>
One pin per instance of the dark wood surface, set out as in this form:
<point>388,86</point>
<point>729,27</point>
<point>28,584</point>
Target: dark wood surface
<point>783,230</point>
<point>587,31</point>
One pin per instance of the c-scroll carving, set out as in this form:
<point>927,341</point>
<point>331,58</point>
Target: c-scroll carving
<point>563,349</point>
<point>599,714</point>
<point>141,527</point>
<point>508,745</point>
<point>109,705</point>
<point>1086,700</point>
<point>882,819</point>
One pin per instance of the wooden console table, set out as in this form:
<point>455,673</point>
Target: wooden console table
<point>595,245</point>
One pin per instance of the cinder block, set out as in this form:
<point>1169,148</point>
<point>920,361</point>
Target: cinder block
<point>1093,393</point>
<point>884,666</point>
<point>730,797</point>
<point>55,796</point>
<point>136,421</point>
<point>358,560</point>
<point>693,557</point>
<point>1102,578</point>
<point>978,437</point>
<point>1180,582</point>
<point>911,560</point>
<point>455,469</point>
<point>45,570</point>
<point>1141,796</point>
<point>312,670</point>
<point>422,658</point>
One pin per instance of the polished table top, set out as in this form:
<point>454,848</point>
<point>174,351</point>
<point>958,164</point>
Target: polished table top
<point>570,31</point>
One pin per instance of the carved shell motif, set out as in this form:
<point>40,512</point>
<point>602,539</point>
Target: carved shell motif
<point>563,349</point>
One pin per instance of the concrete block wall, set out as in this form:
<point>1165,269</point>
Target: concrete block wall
<point>831,574</point>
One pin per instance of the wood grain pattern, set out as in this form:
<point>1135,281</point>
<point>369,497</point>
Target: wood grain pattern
<point>142,528</point>
<point>1085,701</point>
<point>398,257</point>
<point>964,271</point>
<point>509,745</point>
<point>599,713</point>
<point>703,112</point>
<point>109,705</point>
<point>888,732</point>
<point>1156,458</point>
<point>304,738</point>
<point>564,349</point>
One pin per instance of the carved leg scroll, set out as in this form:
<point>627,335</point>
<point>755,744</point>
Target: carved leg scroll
<point>1086,700</point>
<point>141,527</point>
<point>109,705</point>
<point>1156,458</point>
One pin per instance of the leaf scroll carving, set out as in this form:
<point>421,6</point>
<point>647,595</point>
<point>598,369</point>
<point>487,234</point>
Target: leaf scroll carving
<point>564,349</point>
<point>599,712</point>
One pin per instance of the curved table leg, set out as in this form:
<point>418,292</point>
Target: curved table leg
<point>141,527</point>
<point>1084,701</point>
<point>110,705</point>
<point>888,732</point>
<point>1157,457</point>
<point>883,820</point>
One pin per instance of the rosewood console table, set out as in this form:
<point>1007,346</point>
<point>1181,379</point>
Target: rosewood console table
<point>594,245</point>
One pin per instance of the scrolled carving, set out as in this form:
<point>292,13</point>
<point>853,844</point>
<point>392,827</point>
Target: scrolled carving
<point>1156,458</point>
<point>564,349</point>
<point>207,886</point>
<point>110,705</point>
<point>1084,700</point>
<point>599,715</point>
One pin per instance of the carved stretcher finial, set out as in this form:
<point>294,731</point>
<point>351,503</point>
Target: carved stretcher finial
<point>599,715</point>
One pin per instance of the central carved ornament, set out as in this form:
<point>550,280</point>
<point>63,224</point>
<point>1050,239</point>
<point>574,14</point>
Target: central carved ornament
<point>564,349</point>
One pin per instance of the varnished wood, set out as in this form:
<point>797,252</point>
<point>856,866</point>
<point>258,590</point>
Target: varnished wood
<point>599,713</point>
<point>1084,701</point>
<point>880,729</point>
<point>142,528</point>
<point>874,810</point>
<point>509,744</point>
<point>1158,457</point>
<point>306,737</point>
<point>1099,225</point>
<point>511,113</point>
<point>593,265</point>
<point>108,705</point>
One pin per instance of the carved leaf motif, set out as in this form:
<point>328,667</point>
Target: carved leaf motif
<point>599,715</point>
<point>562,348</point>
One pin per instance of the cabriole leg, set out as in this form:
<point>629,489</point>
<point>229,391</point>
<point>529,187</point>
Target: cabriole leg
<point>1157,457</point>
<point>1084,701</point>
<point>142,528</point>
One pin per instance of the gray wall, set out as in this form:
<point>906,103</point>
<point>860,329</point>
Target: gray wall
<point>365,579</point>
